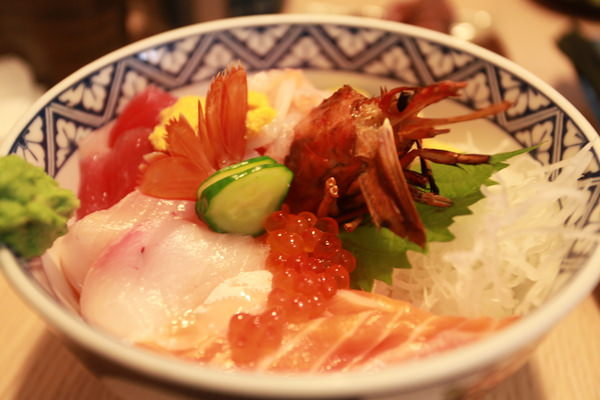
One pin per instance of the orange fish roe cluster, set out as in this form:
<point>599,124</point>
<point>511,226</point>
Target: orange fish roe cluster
<point>308,265</point>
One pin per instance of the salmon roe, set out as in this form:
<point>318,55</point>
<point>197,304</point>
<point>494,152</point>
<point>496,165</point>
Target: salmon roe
<point>308,265</point>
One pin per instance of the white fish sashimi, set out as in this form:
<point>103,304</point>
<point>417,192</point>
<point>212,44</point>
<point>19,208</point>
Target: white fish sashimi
<point>88,237</point>
<point>157,274</point>
<point>205,330</point>
<point>292,95</point>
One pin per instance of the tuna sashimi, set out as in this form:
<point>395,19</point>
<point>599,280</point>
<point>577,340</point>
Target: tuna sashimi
<point>110,160</point>
<point>142,111</point>
<point>109,174</point>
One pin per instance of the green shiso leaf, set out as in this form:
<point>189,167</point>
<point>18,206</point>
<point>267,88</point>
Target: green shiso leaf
<point>379,251</point>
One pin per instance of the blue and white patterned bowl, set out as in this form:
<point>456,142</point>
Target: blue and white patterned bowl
<point>361,50</point>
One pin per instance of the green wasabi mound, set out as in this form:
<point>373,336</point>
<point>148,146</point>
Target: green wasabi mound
<point>34,210</point>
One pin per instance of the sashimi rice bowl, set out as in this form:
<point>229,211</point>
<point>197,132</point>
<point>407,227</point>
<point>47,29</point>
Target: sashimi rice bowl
<point>277,207</point>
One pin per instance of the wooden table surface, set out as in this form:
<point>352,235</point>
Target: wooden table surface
<point>35,365</point>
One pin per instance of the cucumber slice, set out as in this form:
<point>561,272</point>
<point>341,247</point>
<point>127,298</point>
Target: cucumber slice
<point>240,202</point>
<point>234,169</point>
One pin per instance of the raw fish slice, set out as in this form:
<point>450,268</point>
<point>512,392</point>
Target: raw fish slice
<point>142,111</point>
<point>88,237</point>
<point>110,157</point>
<point>204,331</point>
<point>358,331</point>
<point>365,331</point>
<point>160,272</point>
<point>109,174</point>
<point>292,95</point>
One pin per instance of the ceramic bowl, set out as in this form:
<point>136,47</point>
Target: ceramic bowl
<point>361,51</point>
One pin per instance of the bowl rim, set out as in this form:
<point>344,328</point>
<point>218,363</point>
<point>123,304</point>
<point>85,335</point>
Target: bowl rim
<point>405,377</point>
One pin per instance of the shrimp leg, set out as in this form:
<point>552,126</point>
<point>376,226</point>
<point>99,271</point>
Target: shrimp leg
<point>443,157</point>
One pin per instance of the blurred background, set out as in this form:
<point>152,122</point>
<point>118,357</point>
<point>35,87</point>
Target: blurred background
<point>41,41</point>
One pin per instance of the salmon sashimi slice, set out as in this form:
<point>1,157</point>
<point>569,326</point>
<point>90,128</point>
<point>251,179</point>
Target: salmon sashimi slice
<point>359,331</point>
<point>365,331</point>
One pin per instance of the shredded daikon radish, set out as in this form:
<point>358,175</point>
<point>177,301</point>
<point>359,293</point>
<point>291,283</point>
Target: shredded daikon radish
<point>508,255</point>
